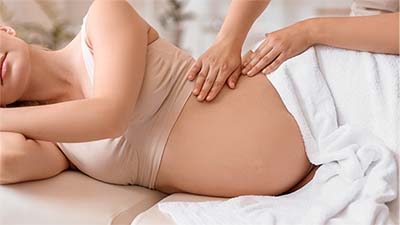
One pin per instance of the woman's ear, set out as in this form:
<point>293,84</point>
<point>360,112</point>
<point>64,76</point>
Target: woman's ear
<point>8,30</point>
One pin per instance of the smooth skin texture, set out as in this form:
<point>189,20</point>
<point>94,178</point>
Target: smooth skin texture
<point>244,142</point>
<point>222,62</point>
<point>219,64</point>
<point>59,79</point>
<point>23,159</point>
<point>377,34</point>
<point>121,54</point>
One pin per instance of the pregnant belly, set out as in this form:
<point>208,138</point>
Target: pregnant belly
<point>243,142</point>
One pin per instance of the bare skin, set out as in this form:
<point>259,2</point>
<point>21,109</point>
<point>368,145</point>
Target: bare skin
<point>40,158</point>
<point>244,142</point>
<point>119,38</point>
<point>220,64</point>
<point>353,32</point>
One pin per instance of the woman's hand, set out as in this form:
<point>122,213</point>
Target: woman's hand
<point>277,47</point>
<point>221,62</point>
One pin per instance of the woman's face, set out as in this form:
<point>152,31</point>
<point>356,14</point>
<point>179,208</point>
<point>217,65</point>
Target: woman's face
<point>15,66</point>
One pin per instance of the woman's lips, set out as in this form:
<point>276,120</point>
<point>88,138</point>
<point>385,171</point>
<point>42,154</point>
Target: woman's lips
<point>3,68</point>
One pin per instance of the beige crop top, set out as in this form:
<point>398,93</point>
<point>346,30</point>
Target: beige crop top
<point>134,158</point>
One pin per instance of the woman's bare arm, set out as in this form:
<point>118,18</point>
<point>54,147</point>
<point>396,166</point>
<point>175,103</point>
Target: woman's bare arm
<point>24,159</point>
<point>379,33</point>
<point>119,39</point>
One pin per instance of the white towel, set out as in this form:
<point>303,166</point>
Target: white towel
<point>358,173</point>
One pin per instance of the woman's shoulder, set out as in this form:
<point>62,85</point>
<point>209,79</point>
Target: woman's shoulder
<point>121,11</point>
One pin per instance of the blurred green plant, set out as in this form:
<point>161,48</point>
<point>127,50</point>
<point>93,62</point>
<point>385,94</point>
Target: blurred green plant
<point>53,38</point>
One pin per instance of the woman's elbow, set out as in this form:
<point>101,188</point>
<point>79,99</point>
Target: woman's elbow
<point>110,120</point>
<point>9,167</point>
<point>118,129</point>
<point>117,126</point>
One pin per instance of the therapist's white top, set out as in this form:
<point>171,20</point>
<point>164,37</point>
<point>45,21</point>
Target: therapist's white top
<point>373,7</point>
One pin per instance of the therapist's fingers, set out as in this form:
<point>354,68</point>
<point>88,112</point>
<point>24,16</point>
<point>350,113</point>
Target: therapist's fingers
<point>232,80</point>
<point>220,82</point>
<point>201,77</point>
<point>194,70</point>
<point>217,87</point>
<point>257,56</point>
<point>246,58</point>
<point>265,61</point>
<point>275,64</point>
<point>208,83</point>
<point>263,49</point>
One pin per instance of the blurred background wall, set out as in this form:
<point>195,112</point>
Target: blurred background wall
<point>191,24</point>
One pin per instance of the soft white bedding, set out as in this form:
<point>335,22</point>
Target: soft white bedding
<point>347,106</point>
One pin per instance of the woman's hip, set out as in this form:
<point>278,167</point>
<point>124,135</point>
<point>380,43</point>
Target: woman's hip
<point>244,142</point>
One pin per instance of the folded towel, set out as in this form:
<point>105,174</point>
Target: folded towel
<point>347,129</point>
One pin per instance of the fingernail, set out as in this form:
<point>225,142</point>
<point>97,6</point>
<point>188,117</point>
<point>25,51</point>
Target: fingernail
<point>232,85</point>
<point>195,91</point>
<point>208,98</point>
<point>200,97</point>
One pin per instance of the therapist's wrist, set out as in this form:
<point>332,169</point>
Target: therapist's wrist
<point>312,30</point>
<point>233,42</point>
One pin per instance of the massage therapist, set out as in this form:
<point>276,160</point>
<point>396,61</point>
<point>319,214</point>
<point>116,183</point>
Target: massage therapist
<point>222,62</point>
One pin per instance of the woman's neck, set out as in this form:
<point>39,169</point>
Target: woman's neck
<point>53,75</point>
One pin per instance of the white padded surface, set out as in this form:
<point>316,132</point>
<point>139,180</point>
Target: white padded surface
<point>73,198</point>
<point>154,216</point>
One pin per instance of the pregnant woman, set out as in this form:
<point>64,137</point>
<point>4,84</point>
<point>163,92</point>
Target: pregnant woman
<point>115,104</point>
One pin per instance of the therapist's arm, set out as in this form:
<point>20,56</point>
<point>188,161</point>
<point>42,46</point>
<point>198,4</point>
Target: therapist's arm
<point>223,59</point>
<point>377,34</point>
<point>240,18</point>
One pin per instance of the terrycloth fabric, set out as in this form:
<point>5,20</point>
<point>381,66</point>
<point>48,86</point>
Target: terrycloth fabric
<point>358,173</point>
<point>366,90</point>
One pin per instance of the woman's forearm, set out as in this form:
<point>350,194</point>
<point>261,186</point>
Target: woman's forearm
<point>72,121</point>
<point>379,33</point>
<point>240,18</point>
<point>23,159</point>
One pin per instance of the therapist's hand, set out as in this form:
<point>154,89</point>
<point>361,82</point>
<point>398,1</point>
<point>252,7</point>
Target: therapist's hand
<point>221,63</point>
<point>277,47</point>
